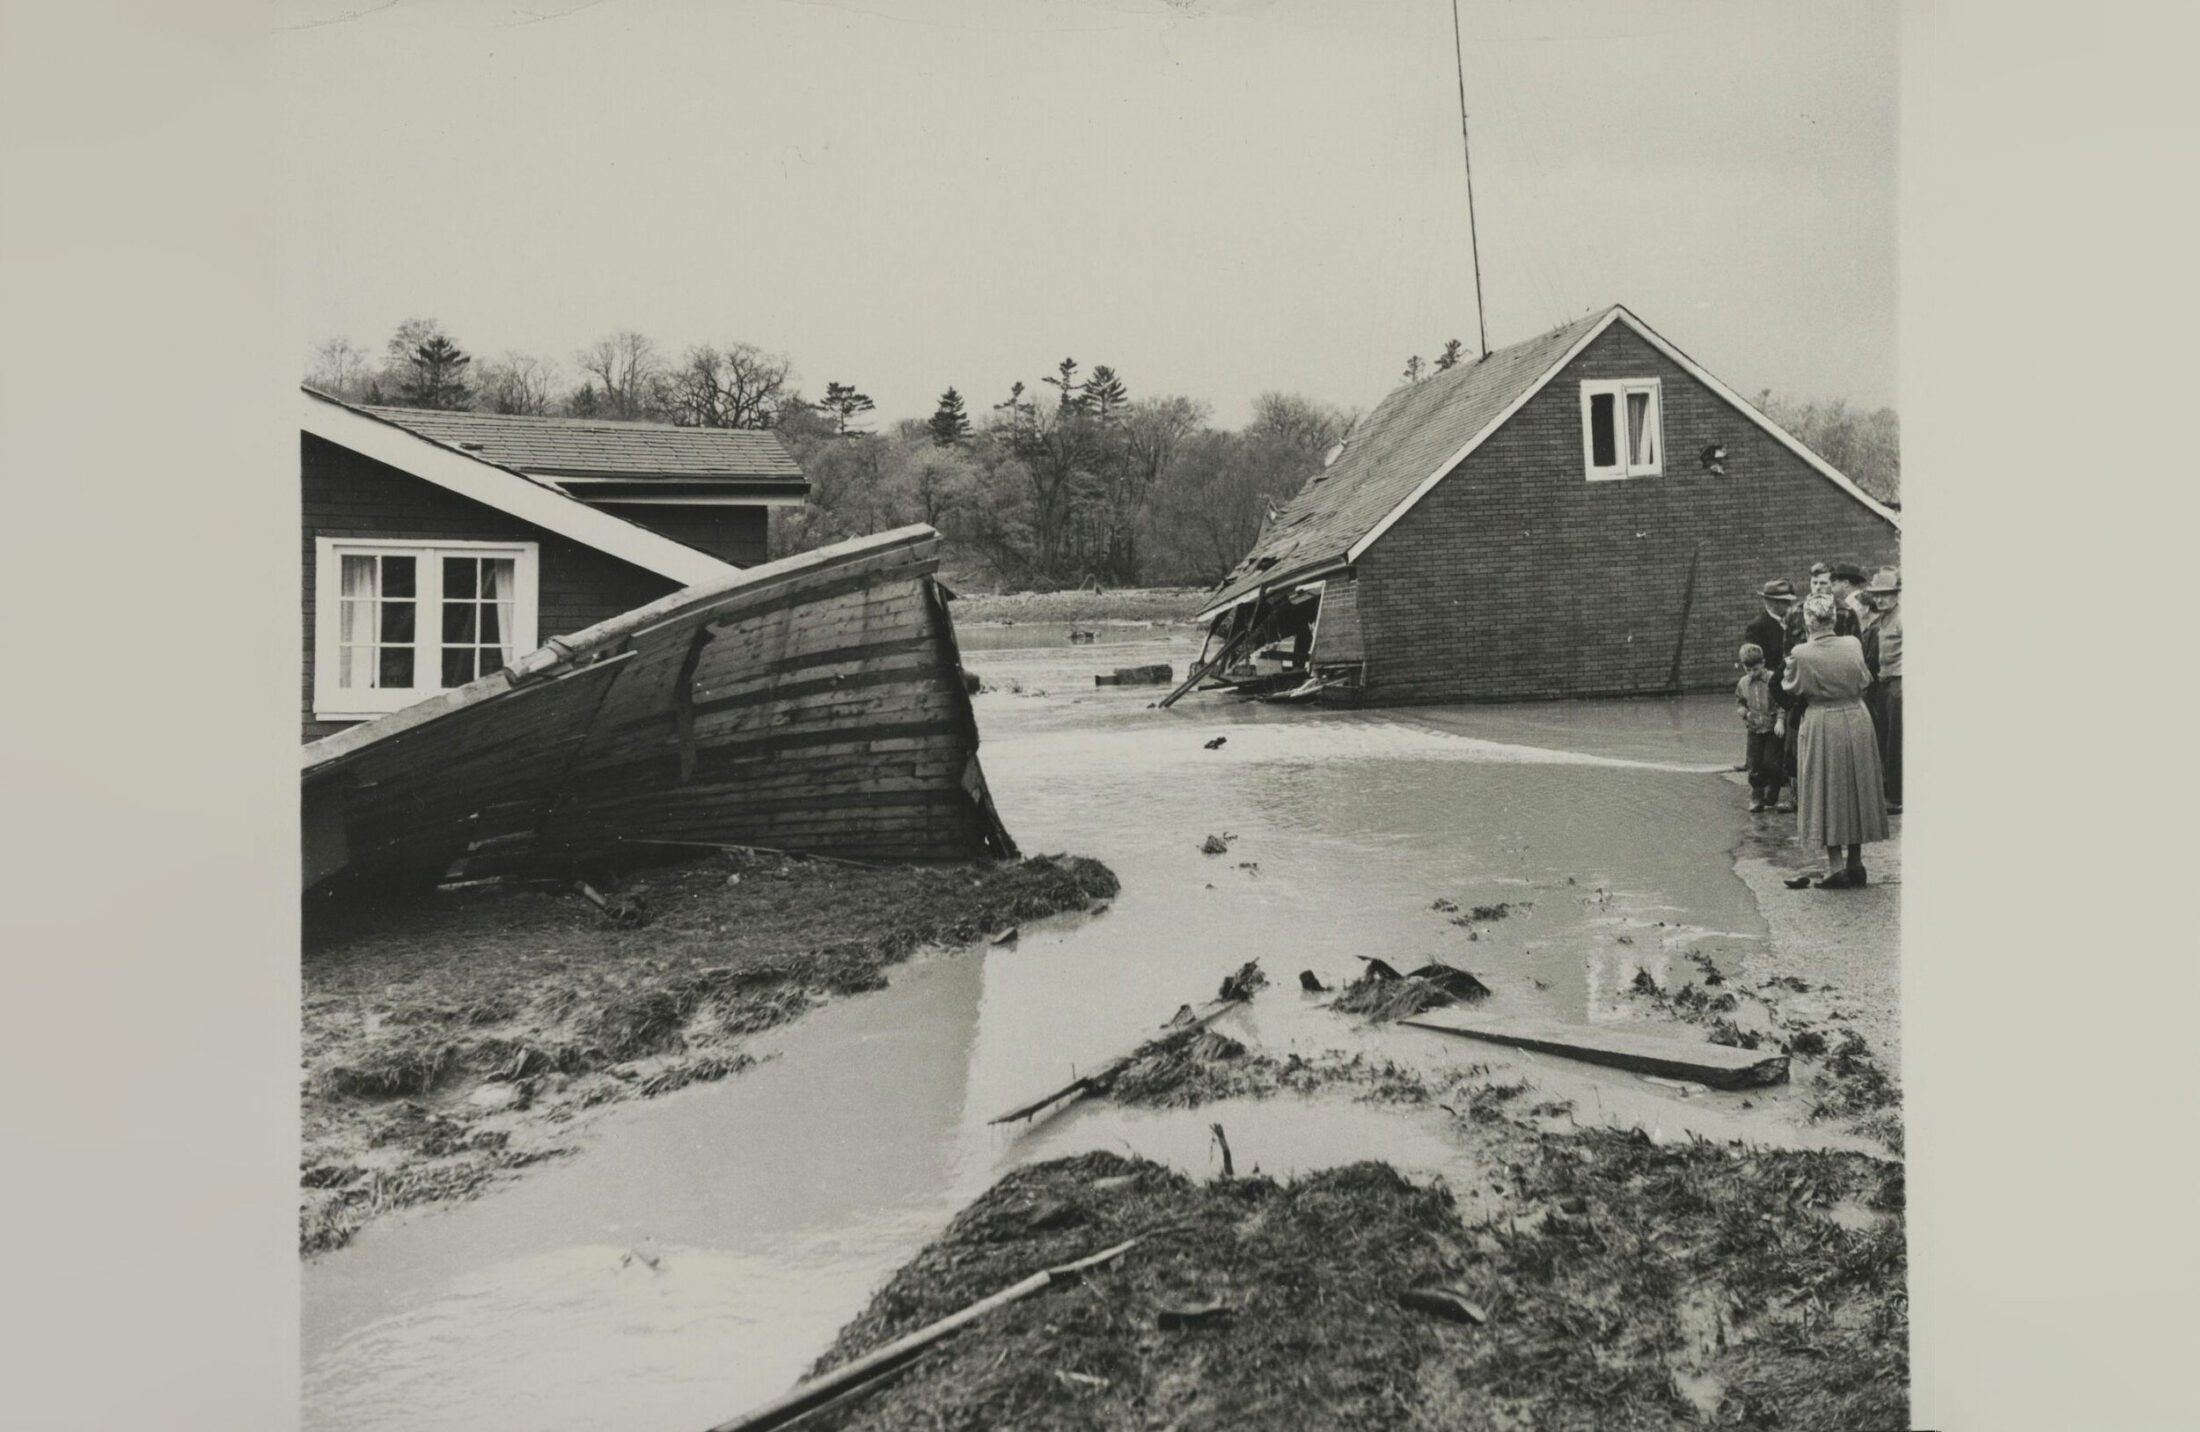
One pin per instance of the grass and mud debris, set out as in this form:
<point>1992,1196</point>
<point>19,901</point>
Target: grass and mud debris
<point>449,1035</point>
<point>1622,1284</point>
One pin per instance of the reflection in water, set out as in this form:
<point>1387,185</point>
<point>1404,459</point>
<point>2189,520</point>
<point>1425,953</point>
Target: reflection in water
<point>777,1201</point>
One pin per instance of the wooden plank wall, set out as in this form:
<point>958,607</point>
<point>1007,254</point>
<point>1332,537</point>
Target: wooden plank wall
<point>825,712</point>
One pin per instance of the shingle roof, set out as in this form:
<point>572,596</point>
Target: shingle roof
<point>1393,451</point>
<point>1422,429</point>
<point>590,447</point>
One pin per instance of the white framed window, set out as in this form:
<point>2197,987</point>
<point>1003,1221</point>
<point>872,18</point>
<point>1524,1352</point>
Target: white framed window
<point>1622,430</point>
<point>396,621</point>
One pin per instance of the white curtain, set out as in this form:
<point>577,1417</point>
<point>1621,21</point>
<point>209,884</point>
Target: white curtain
<point>357,622</point>
<point>1642,430</point>
<point>499,582</point>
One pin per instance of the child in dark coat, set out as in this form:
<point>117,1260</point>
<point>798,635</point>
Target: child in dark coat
<point>1760,715</point>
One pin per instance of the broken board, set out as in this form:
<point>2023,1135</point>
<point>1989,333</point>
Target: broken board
<point>1719,1065</point>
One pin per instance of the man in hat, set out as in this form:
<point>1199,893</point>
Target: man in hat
<point>1768,632</point>
<point>1883,654</point>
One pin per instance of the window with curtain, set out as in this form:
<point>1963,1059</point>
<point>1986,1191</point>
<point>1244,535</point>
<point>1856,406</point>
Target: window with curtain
<point>1622,428</point>
<point>398,621</point>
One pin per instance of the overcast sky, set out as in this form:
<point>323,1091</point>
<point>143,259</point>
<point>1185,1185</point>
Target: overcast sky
<point>1218,197</point>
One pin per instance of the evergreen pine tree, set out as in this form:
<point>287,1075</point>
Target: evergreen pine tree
<point>1450,356</point>
<point>950,424</point>
<point>1106,393</point>
<point>844,403</point>
<point>1415,368</point>
<point>435,375</point>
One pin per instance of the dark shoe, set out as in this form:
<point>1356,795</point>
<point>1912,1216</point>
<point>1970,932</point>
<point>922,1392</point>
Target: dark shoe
<point>1856,876</point>
<point>1785,807</point>
<point>1800,882</point>
<point>1756,806</point>
<point>1839,880</point>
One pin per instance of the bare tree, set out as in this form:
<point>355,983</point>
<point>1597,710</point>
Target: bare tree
<point>626,374</point>
<point>339,368</point>
<point>1313,428</point>
<point>516,383</point>
<point>738,386</point>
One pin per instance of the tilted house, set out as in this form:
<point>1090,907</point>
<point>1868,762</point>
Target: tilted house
<point>439,546</point>
<point>1587,513</point>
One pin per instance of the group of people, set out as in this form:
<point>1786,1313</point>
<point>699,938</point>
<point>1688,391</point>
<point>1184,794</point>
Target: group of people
<point>1821,698</point>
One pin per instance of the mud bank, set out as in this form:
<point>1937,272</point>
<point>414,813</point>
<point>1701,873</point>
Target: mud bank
<point>454,1037</point>
<point>1599,1280</point>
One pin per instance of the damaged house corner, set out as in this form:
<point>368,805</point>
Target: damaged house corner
<point>813,705</point>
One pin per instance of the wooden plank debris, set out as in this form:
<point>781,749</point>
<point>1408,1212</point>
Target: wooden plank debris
<point>1159,674</point>
<point>1188,1021</point>
<point>815,1394</point>
<point>1720,1066</point>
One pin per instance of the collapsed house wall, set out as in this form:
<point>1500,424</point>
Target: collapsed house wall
<point>1515,577</point>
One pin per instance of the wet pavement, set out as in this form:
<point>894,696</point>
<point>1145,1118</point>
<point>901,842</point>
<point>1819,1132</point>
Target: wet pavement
<point>703,1247</point>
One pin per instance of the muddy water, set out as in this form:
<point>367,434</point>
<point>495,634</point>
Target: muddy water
<point>704,1247</point>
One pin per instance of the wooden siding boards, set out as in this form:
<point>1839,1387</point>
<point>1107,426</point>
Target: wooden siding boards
<point>731,534</point>
<point>1517,578</point>
<point>343,494</point>
<point>625,732</point>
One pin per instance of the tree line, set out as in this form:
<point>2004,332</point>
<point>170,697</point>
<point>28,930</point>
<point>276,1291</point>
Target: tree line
<point>1077,481</point>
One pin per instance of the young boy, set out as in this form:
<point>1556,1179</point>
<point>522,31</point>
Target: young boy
<point>1767,757</point>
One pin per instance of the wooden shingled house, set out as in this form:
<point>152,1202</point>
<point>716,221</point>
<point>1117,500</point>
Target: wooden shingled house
<point>438,546</point>
<point>1587,513</point>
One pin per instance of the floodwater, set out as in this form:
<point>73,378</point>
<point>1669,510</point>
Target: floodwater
<point>703,1248</point>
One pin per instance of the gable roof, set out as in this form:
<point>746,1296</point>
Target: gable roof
<point>1424,430</point>
<point>606,460</point>
<point>508,491</point>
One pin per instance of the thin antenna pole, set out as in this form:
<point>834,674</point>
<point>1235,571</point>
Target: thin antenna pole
<point>1474,246</point>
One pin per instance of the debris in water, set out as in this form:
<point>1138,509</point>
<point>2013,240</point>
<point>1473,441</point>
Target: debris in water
<point>1447,1303</point>
<point>1452,981</point>
<point>1249,866</point>
<point>1499,911</point>
<point>1626,939</point>
<point>1216,743</point>
<point>1377,970</point>
<point>1643,984</point>
<point>1182,1016</point>
<point>1215,845</point>
<point>1081,637</point>
<point>1222,1141</point>
<point>1157,675</point>
<point>1242,983</point>
<point>1311,983</point>
<point>1444,904</point>
<point>1386,998</point>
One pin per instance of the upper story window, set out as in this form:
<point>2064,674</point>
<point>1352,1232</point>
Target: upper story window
<point>1621,431</point>
<point>397,621</point>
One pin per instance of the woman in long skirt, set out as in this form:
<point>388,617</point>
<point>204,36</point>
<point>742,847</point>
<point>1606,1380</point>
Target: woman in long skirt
<point>1840,793</point>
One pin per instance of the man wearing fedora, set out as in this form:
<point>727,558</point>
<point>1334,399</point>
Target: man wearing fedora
<point>1769,632</point>
<point>1883,654</point>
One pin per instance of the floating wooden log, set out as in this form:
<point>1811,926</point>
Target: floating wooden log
<point>815,1394</point>
<point>1188,1022</point>
<point>1719,1065</point>
<point>1159,674</point>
